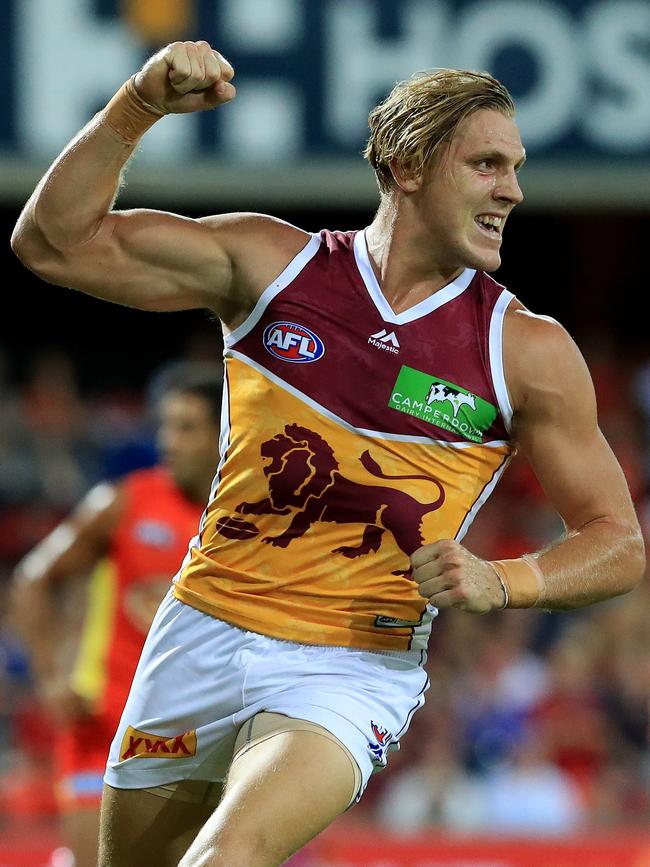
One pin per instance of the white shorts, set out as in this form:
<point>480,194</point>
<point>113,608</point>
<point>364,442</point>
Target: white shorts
<point>200,679</point>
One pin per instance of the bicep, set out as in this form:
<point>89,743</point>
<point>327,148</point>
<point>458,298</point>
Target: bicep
<point>150,260</point>
<point>578,472</point>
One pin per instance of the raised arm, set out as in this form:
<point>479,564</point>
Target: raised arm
<point>68,233</point>
<point>555,426</point>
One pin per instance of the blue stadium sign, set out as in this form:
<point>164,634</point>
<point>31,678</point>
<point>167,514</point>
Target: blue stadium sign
<point>309,70</point>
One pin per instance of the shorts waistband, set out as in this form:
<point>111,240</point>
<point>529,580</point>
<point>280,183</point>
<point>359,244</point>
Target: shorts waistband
<point>415,657</point>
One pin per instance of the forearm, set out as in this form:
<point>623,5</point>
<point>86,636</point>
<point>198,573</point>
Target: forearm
<point>68,205</point>
<point>600,560</point>
<point>36,620</point>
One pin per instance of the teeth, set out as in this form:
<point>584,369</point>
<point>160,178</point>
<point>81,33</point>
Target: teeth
<point>488,220</point>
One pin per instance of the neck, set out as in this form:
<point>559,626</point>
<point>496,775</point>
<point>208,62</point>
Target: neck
<point>403,257</point>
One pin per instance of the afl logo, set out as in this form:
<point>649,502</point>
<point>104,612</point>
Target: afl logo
<point>292,342</point>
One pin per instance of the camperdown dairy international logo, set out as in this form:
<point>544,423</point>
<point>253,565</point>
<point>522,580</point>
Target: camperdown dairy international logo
<point>442,404</point>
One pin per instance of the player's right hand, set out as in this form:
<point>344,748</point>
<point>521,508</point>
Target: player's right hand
<point>450,576</point>
<point>185,77</point>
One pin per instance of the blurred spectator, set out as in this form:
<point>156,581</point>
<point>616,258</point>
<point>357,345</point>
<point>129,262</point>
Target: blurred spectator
<point>529,795</point>
<point>53,460</point>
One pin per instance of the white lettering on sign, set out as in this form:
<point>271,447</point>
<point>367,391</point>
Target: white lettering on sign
<point>264,123</point>
<point>591,73</point>
<point>362,66</point>
<point>70,63</point>
<point>261,26</point>
<point>619,116</point>
<point>547,33</point>
<point>304,74</point>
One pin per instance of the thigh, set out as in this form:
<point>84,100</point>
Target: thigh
<point>138,827</point>
<point>279,794</point>
<point>366,700</point>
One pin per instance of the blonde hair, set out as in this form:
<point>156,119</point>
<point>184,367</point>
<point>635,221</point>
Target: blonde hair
<point>419,115</point>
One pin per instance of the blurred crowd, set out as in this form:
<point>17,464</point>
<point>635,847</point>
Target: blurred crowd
<point>535,722</point>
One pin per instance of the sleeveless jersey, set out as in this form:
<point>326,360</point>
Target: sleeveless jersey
<point>147,546</point>
<point>351,436</point>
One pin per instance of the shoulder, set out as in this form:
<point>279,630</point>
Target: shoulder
<point>543,364</point>
<point>534,334</point>
<point>240,230</point>
<point>259,248</point>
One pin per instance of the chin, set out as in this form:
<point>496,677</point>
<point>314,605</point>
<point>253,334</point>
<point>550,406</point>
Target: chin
<point>493,264</point>
<point>487,262</point>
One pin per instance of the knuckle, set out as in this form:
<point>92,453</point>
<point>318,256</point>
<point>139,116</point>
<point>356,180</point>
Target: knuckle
<point>460,594</point>
<point>180,73</point>
<point>417,559</point>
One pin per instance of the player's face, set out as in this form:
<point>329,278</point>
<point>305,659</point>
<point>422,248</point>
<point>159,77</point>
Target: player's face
<point>188,440</point>
<point>466,197</point>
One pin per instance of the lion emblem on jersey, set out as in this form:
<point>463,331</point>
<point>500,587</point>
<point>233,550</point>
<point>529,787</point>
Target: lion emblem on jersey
<point>304,480</point>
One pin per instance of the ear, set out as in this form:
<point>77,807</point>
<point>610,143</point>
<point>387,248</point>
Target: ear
<point>406,179</point>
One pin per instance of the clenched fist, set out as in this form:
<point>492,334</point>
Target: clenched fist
<point>448,576</point>
<point>185,77</point>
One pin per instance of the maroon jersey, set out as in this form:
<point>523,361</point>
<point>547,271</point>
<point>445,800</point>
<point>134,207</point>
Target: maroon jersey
<point>352,436</point>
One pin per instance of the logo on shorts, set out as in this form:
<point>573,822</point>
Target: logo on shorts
<point>143,745</point>
<point>382,741</point>
<point>289,341</point>
<point>384,621</point>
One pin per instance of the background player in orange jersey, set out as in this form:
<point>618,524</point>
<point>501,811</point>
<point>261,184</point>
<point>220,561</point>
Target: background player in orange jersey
<point>264,664</point>
<point>134,533</point>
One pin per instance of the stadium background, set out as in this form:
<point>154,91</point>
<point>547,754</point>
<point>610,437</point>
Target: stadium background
<point>536,724</point>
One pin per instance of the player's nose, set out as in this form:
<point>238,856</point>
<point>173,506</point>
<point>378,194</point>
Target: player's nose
<point>507,188</point>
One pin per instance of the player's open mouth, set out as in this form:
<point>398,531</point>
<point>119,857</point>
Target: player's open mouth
<point>490,225</point>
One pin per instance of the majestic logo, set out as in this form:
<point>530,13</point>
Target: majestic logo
<point>442,404</point>
<point>292,342</point>
<point>304,481</point>
<point>382,741</point>
<point>385,340</point>
<point>143,745</point>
